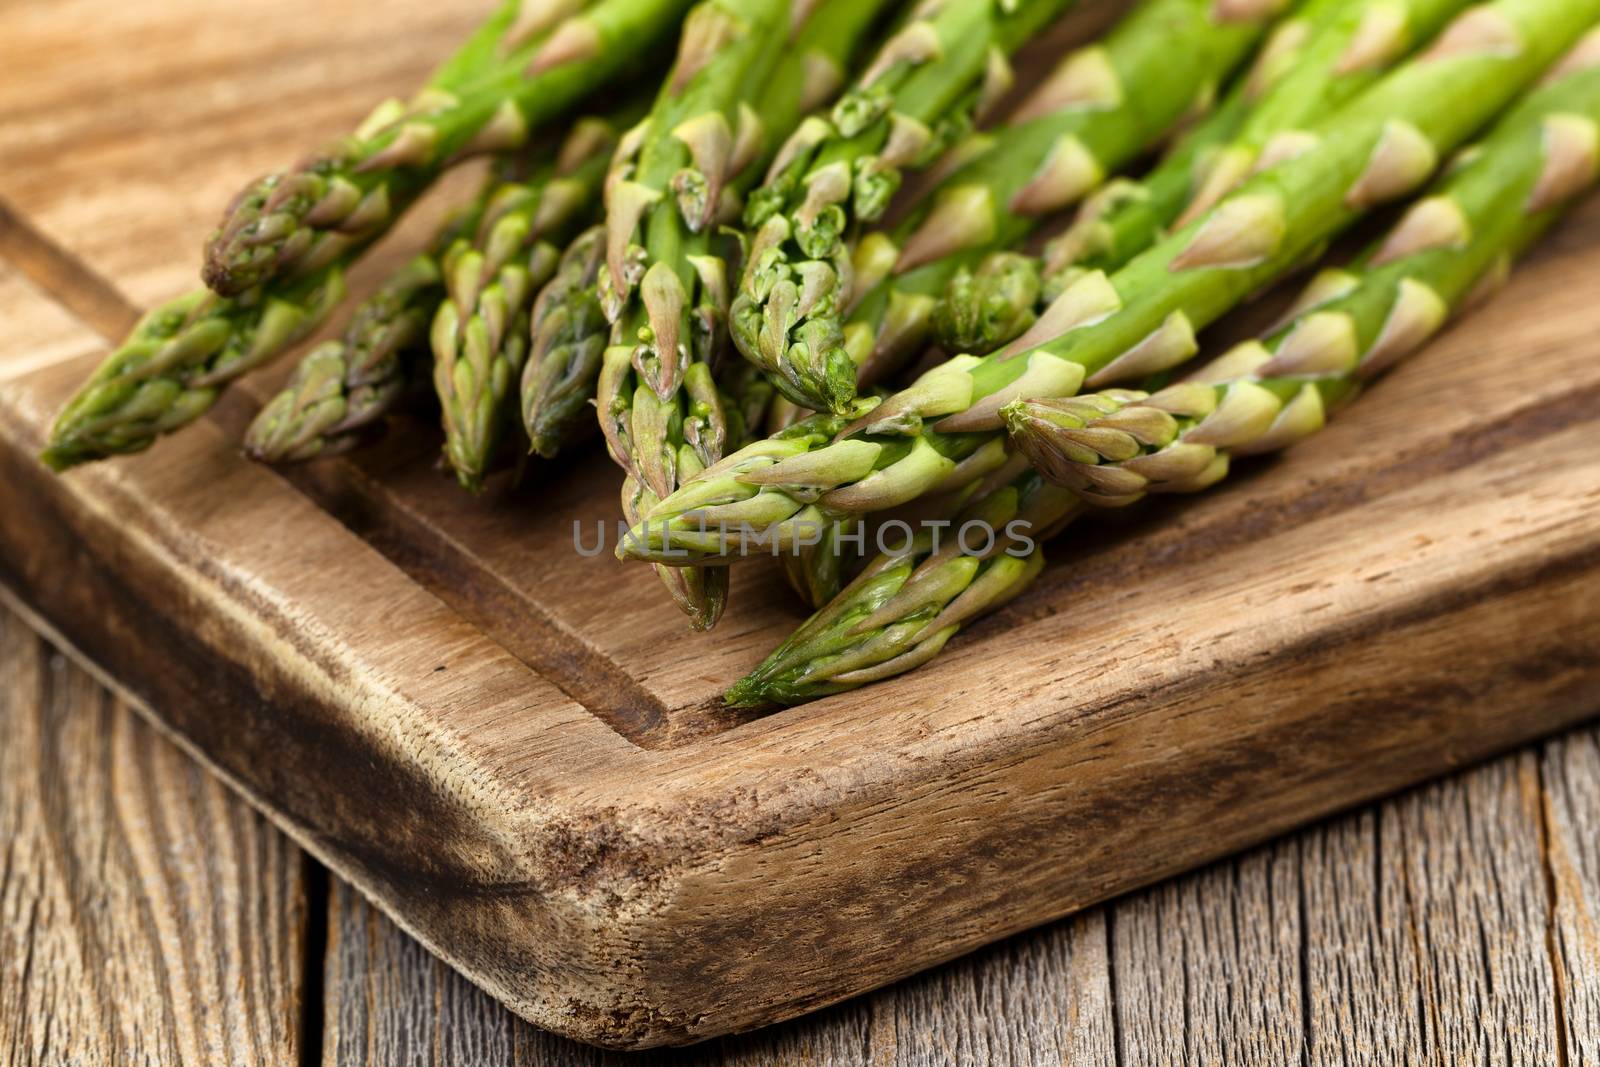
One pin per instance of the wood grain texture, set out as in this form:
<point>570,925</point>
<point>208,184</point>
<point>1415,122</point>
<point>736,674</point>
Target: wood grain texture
<point>40,332</point>
<point>1412,932</point>
<point>147,916</point>
<point>1570,775</point>
<point>1207,967</point>
<point>163,110</point>
<point>390,1001</point>
<point>1448,925</point>
<point>1042,998</point>
<point>518,754</point>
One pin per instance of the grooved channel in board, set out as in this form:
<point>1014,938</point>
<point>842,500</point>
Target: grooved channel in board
<point>364,506</point>
<point>86,294</point>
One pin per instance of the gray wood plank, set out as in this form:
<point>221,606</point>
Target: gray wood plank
<point>1208,967</point>
<point>147,916</point>
<point>1412,932</point>
<point>391,1002</point>
<point>1427,927</point>
<point>1040,998</point>
<point>1571,777</point>
<point>1475,896</point>
<point>1365,1004</point>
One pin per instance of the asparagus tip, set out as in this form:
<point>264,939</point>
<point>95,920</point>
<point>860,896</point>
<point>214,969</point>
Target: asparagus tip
<point>747,692</point>
<point>59,457</point>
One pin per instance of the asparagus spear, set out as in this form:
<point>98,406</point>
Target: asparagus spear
<point>924,87</point>
<point>482,332</point>
<point>983,307</point>
<point>569,338</point>
<point>1352,323</point>
<point>663,286</point>
<point>341,388</point>
<point>295,234</point>
<point>175,363</point>
<point>1108,448</point>
<point>1380,147</point>
<point>747,396</point>
<point>1313,62</point>
<point>1135,89</point>
<point>569,342</point>
<point>903,607</point>
<point>561,379</point>
<point>525,66</point>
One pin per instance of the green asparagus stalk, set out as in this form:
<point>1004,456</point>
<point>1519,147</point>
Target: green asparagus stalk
<point>1381,147</point>
<point>1104,106</point>
<point>663,285</point>
<point>1446,253</point>
<point>570,331</point>
<point>924,88</point>
<point>747,396</point>
<point>983,307</point>
<point>1449,251</point>
<point>526,66</point>
<point>1314,61</point>
<point>904,606</point>
<point>175,363</point>
<point>481,333</point>
<point>294,236</point>
<point>341,388</point>
<point>569,338</point>
<point>480,341</point>
<point>561,380</point>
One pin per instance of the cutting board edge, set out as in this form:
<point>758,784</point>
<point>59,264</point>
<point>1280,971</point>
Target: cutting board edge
<point>53,607</point>
<point>703,899</point>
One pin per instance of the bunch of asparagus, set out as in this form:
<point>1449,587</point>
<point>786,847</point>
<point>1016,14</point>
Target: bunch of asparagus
<point>274,270</point>
<point>626,255</point>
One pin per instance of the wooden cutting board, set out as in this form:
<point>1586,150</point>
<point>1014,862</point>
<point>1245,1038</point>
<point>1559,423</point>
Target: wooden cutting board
<point>519,753</point>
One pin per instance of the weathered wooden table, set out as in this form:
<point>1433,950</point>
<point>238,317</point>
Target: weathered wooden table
<point>149,916</point>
